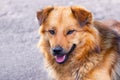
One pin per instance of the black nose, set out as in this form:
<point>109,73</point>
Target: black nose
<point>57,50</point>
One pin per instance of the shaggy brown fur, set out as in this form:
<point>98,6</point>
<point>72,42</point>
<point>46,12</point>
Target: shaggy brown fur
<point>97,51</point>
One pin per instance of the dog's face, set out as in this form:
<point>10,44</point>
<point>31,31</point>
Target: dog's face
<point>65,30</point>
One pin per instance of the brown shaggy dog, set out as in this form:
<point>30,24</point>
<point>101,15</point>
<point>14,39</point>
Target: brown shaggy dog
<point>77,48</point>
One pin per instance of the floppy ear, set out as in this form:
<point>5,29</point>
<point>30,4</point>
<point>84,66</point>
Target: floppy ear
<point>43,14</point>
<point>83,16</point>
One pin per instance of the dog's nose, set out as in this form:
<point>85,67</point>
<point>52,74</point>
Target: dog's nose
<point>57,50</point>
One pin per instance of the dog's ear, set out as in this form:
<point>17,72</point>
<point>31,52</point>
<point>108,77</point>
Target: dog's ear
<point>83,16</point>
<point>43,14</point>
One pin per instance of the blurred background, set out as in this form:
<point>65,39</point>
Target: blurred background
<point>20,59</point>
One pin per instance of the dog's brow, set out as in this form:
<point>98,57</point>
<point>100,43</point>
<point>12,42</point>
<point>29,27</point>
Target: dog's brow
<point>72,25</point>
<point>52,27</point>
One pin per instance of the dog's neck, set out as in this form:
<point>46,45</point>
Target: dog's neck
<point>75,68</point>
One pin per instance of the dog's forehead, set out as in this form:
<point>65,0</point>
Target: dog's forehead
<point>61,16</point>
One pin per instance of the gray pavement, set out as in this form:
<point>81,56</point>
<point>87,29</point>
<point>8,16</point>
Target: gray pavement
<point>20,59</point>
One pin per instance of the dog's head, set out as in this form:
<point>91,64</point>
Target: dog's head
<point>65,30</point>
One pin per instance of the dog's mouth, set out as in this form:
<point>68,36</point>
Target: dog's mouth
<point>62,58</point>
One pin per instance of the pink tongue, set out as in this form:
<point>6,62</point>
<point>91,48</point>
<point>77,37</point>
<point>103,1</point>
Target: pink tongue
<point>60,58</point>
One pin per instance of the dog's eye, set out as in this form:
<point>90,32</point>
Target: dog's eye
<point>51,32</point>
<point>70,32</point>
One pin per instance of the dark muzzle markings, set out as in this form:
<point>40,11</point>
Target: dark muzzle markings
<point>60,55</point>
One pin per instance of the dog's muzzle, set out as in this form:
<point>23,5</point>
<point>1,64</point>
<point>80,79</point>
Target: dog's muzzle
<point>60,55</point>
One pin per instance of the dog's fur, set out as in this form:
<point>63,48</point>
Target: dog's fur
<point>97,52</point>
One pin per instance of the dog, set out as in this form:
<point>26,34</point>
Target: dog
<point>77,47</point>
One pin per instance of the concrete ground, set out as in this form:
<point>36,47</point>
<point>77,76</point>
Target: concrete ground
<point>20,59</point>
